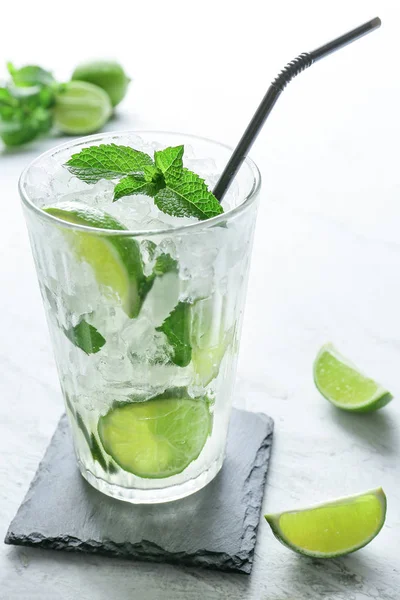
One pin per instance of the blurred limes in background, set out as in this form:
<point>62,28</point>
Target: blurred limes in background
<point>33,102</point>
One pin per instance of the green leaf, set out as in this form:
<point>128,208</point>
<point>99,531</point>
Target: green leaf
<point>24,113</point>
<point>170,162</point>
<point>18,133</point>
<point>30,75</point>
<point>151,173</point>
<point>188,196</point>
<point>92,442</point>
<point>165,264</point>
<point>149,183</point>
<point>177,329</point>
<point>112,468</point>
<point>130,186</point>
<point>86,337</point>
<point>96,452</point>
<point>107,161</point>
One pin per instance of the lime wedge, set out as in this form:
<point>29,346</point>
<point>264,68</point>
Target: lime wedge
<point>116,261</point>
<point>207,361</point>
<point>157,438</point>
<point>334,528</point>
<point>343,385</point>
<point>209,339</point>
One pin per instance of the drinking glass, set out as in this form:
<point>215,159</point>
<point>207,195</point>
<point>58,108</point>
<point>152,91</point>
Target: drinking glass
<point>147,387</point>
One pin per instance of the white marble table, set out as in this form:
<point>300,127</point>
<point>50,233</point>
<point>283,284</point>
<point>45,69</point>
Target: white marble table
<point>326,267</point>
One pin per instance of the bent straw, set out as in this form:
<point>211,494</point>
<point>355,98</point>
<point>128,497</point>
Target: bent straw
<point>292,69</point>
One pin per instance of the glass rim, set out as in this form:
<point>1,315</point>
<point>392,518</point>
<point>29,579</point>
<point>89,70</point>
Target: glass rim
<point>248,200</point>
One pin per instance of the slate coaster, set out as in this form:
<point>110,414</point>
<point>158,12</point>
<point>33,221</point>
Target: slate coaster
<point>214,528</point>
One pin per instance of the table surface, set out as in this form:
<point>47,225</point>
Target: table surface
<point>325,267</point>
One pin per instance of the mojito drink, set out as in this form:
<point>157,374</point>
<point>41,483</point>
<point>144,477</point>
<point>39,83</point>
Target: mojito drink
<point>144,308</point>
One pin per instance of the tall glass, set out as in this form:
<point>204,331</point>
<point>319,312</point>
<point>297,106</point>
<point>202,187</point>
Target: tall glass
<point>147,389</point>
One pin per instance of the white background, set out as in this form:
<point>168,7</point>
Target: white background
<point>326,266</point>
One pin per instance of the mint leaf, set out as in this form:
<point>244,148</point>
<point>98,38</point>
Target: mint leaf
<point>170,162</point>
<point>112,468</point>
<point>86,337</point>
<point>188,196</point>
<point>185,193</point>
<point>149,183</point>
<point>30,75</point>
<point>152,173</point>
<point>96,452</point>
<point>177,329</point>
<point>92,442</point>
<point>90,438</point>
<point>130,186</point>
<point>107,161</point>
<point>165,264</point>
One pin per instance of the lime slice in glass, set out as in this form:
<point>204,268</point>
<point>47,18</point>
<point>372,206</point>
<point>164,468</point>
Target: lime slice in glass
<point>116,261</point>
<point>81,108</point>
<point>157,438</point>
<point>209,339</point>
<point>334,528</point>
<point>207,361</point>
<point>343,385</point>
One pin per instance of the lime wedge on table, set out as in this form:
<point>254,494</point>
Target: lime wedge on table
<point>115,260</point>
<point>343,385</point>
<point>157,438</point>
<point>334,528</point>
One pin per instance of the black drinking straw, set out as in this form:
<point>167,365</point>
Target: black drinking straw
<point>276,88</point>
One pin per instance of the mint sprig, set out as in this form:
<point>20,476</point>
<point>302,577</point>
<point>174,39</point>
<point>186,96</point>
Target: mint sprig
<point>176,190</point>
<point>188,196</point>
<point>24,113</point>
<point>26,104</point>
<point>170,162</point>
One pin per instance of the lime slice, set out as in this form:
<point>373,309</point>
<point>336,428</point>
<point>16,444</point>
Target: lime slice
<point>157,438</point>
<point>334,528</point>
<point>115,260</point>
<point>209,339</point>
<point>341,383</point>
<point>207,361</point>
<point>81,108</point>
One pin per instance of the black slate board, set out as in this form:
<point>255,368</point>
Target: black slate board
<point>215,528</point>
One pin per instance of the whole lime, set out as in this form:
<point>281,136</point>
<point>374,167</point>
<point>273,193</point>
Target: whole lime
<point>81,108</point>
<point>107,74</point>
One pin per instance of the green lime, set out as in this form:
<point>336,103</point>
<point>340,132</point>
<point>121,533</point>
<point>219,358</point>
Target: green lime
<point>116,261</point>
<point>209,340</point>
<point>107,74</point>
<point>81,108</point>
<point>334,528</point>
<point>343,385</point>
<point>207,361</point>
<point>157,438</point>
